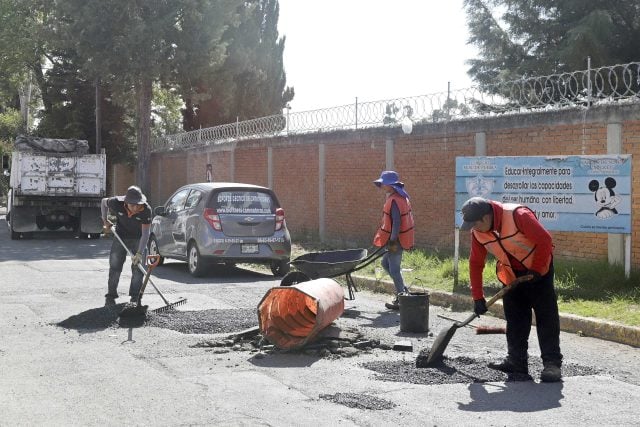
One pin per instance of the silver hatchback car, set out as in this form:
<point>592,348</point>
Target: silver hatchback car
<point>222,222</point>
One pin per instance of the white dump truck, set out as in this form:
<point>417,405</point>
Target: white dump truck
<point>55,185</point>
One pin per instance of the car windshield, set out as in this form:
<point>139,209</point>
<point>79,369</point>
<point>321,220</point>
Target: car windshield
<point>243,202</point>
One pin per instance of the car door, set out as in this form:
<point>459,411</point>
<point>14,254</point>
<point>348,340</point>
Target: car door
<point>169,241</point>
<point>185,221</point>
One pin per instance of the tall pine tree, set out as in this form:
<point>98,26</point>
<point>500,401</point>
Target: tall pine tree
<point>252,82</point>
<point>519,38</point>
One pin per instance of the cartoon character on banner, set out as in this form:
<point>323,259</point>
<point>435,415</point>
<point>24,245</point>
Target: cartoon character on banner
<point>209,177</point>
<point>605,197</point>
<point>479,186</point>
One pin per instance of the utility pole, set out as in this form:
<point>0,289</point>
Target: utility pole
<point>98,118</point>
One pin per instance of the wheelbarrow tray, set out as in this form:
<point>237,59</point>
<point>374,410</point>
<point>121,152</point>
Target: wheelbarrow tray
<point>329,263</point>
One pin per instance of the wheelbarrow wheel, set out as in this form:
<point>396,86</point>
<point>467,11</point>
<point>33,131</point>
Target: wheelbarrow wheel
<point>293,278</point>
<point>280,268</point>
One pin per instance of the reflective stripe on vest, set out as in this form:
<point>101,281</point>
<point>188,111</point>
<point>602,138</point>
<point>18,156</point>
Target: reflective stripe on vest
<point>406,234</point>
<point>509,241</point>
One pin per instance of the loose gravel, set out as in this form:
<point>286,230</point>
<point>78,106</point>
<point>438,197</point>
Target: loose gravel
<point>461,370</point>
<point>204,321</point>
<point>186,322</point>
<point>359,401</point>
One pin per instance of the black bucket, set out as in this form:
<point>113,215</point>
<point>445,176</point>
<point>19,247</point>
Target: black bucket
<point>414,312</point>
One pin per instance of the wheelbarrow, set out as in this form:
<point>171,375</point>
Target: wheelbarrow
<point>329,264</point>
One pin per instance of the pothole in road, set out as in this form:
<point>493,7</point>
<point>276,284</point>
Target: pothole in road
<point>332,343</point>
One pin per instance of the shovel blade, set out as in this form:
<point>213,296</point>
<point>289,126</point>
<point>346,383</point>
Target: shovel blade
<point>440,345</point>
<point>135,311</point>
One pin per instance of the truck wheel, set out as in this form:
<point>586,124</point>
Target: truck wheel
<point>14,234</point>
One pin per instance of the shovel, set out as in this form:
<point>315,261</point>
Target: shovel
<point>167,306</point>
<point>139,309</point>
<point>443,338</point>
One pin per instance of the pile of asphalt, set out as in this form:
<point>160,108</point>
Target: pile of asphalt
<point>461,370</point>
<point>186,322</point>
<point>204,321</point>
<point>359,401</point>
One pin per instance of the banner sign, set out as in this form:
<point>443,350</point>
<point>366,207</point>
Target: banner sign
<point>567,193</point>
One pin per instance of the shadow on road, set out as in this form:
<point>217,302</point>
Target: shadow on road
<point>51,245</point>
<point>93,320</point>
<point>508,397</point>
<point>177,272</point>
<point>284,360</point>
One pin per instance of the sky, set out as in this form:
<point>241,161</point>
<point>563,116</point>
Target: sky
<point>337,50</point>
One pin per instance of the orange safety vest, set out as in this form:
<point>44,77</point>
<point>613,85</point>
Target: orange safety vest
<point>406,234</point>
<point>509,242</point>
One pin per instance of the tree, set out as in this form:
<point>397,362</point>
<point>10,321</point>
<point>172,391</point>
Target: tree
<point>135,43</point>
<point>24,42</point>
<point>520,38</point>
<point>251,83</point>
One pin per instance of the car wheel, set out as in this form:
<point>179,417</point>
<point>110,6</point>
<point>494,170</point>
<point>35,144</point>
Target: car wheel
<point>293,278</point>
<point>280,268</point>
<point>153,250</point>
<point>197,267</point>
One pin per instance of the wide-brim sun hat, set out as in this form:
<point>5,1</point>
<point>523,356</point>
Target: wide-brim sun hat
<point>393,179</point>
<point>134,196</point>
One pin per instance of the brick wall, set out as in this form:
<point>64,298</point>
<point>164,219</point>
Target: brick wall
<point>426,163</point>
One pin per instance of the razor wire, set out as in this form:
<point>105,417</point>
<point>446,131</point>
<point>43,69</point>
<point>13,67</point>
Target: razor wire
<point>577,89</point>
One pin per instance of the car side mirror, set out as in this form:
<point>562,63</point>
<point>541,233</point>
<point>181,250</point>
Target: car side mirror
<point>159,211</point>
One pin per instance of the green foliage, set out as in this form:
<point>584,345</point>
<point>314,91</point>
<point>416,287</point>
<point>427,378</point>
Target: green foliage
<point>10,125</point>
<point>166,111</point>
<point>251,81</point>
<point>538,37</point>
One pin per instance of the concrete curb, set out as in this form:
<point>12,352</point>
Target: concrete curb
<point>583,326</point>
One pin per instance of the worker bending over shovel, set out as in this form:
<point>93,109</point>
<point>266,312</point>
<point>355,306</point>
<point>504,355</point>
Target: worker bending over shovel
<point>522,246</point>
<point>133,223</point>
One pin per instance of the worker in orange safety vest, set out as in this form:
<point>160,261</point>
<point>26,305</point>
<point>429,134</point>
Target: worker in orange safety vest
<point>523,249</point>
<point>396,230</point>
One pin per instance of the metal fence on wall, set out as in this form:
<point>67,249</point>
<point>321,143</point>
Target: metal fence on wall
<point>577,89</point>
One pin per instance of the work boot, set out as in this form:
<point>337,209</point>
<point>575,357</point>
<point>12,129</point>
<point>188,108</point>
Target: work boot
<point>551,373</point>
<point>110,299</point>
<point>510,366</point>
<point>393,305</point>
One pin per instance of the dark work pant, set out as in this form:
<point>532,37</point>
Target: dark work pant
<point>539,296</point>
<point>117,257</point>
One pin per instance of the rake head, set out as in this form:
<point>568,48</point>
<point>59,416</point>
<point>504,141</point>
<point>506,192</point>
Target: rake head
<point>169,307</point>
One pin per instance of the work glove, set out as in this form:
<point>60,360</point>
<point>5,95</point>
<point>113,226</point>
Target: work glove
<point>136,259</point>
<point>106,227</point>
<point>535,276</point>
<point>480,306</point>
<point>393,246</point>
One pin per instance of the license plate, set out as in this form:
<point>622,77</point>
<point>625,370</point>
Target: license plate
<point>249,249</point>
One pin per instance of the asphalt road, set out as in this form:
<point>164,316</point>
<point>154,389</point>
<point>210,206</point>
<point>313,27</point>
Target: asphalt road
<point>65,359</point>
